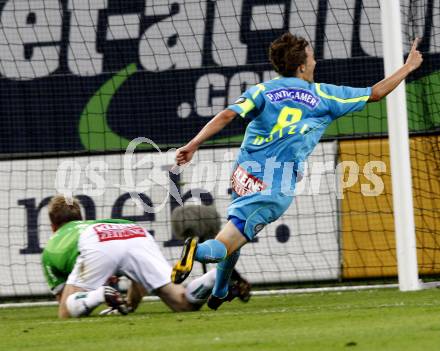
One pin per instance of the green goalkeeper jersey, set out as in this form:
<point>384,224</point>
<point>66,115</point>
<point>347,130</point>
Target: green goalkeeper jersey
<point>59,255</point>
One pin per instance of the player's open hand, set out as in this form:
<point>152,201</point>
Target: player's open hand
<point>415,58</point>
<point>185,154</point>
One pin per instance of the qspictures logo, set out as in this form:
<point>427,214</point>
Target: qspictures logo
<point>267,177</point>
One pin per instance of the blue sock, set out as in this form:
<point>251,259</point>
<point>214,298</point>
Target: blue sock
<point>211,251</point>
<point>224,270</point>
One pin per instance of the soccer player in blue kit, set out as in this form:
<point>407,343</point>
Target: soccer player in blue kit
<point>289,114</point>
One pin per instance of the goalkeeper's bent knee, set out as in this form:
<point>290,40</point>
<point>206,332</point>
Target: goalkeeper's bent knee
<point>82,303</point>
<point>77,306</point>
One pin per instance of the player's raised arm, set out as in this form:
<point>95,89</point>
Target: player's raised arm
<point>215,125</point>
<point>387,85</point>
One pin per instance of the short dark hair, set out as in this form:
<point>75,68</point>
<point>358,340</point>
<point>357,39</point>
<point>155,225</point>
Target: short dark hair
<point>287,53</point>
<point>62,211</point>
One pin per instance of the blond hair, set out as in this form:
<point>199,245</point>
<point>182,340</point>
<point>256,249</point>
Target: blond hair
<point>63,210</point>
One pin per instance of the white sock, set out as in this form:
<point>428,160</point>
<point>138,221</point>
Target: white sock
<point>82,303</point>
<point>198,291</point>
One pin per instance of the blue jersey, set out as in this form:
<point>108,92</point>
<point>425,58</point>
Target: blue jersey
<point>289,115</point>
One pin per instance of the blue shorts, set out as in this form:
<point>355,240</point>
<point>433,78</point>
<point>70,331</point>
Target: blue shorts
<point>254,201</point>
<point>258,210</point>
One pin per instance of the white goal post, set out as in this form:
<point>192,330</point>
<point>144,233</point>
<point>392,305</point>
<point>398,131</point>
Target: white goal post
<point>399,150</point>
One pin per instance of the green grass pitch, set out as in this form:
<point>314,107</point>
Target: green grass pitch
<point>363,320</point>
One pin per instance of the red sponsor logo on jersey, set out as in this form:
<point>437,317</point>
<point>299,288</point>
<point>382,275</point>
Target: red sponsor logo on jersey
<point>244,183</point>
<point>108,231</point>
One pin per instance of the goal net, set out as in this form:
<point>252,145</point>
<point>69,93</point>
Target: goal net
<point>79,80</point>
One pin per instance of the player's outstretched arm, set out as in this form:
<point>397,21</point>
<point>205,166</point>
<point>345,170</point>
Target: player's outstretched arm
<point>387,85</point>
<point>215,125</point>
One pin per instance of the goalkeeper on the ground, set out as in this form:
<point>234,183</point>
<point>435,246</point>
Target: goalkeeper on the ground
<point>82,255</point>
